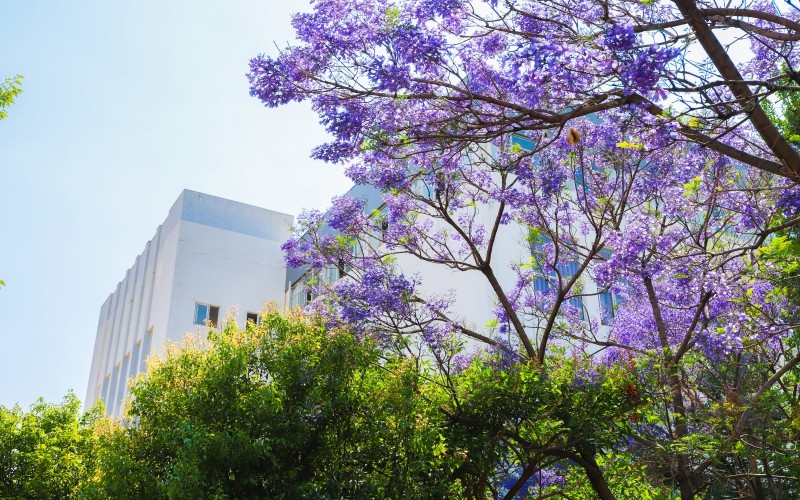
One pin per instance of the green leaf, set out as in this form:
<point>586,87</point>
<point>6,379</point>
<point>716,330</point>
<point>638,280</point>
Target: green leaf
<point>630,145</point>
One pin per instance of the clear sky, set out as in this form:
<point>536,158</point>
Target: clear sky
<point>125,104</point>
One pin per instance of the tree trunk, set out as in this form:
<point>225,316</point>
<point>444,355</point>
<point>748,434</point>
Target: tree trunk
<point>596,478</point>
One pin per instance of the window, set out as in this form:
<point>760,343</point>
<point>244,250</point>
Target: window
<point>549,279</point>
<point>606,307</point>
<point>301,293</point>
<point>381,217</point>
<point>206,313</point>
<point>543,284</point>
<point>608,301</point>
<point>523,142</point>
<point>254,318</point>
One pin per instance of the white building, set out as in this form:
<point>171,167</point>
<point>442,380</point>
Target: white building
<point>210,255</point>
<point>474,299</point>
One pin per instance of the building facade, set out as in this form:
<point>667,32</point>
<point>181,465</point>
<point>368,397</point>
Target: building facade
<point>473,299</point>
<point>210,258</point>
<point>213,258</point>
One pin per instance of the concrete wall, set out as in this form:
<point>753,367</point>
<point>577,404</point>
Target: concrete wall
<point>474,298</point>
<point>209,250</point>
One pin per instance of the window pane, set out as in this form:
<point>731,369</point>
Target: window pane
<point>200,314</point>
<point>523,142</point>
<point>540,285</point>
<point>213,315</point>
<point>568,270</point>
<point>577,303</point>
<point>606,308</point>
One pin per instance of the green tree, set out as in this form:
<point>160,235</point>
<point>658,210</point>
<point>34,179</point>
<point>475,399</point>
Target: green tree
<point>46,452</point>
<point>290,409</point>
<point>10,88</point>
<point>284,409</point>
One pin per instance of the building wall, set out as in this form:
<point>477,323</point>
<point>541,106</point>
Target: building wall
<point>209,250</point>
<point>236,270</point>
<point>474,299</point>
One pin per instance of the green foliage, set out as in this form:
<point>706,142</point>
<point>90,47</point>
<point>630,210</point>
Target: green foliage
<point>284,409</point>
<point>10,88</point>
<point>546,420</point>
<point>46,452</point>
<point>785,110</point>
<point>783,252</point>
<point>289,409</point>
<point>627,479</point>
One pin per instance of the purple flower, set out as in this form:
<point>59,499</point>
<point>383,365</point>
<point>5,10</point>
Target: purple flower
<point>620,37</point>
<point>642,72</point>
<point>333,152</point>
<point>789,201</point>
<point>346,214</point>
<point>269,82</point>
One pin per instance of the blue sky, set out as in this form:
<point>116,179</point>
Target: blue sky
<point>125,104</point>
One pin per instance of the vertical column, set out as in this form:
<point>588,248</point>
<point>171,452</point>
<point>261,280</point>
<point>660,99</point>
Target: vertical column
<point>112,391</point>
<point>135,359</point>
<point>147,339</point>
<point>94,387</point>
<point>113,334</point>
<point>119,319</point>
<point>122,389</point>
<point>139,326</point>
<point>147,342</point>
<point>129,308</point>
<point>104,391</point>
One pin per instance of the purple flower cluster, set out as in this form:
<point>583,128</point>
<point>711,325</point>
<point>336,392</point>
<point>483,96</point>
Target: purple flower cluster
<point>429,9</point>
<point>620,37</point>
<point>346,215</point>
<point>344,122</point>
<point>539,483</point>
<point>389,75</point>
<point>333,152</point>
<point>378,292</point>
<point>270,82</point>
<point>720,344</point>
<point>789,202</point>
<point>301,250</point>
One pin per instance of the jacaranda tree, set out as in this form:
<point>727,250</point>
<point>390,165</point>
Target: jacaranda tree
<point>633,152</point>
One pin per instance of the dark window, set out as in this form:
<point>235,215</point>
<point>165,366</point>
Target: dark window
<point>254,318</point>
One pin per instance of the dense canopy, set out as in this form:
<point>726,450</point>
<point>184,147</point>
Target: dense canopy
<point>642,155</point>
